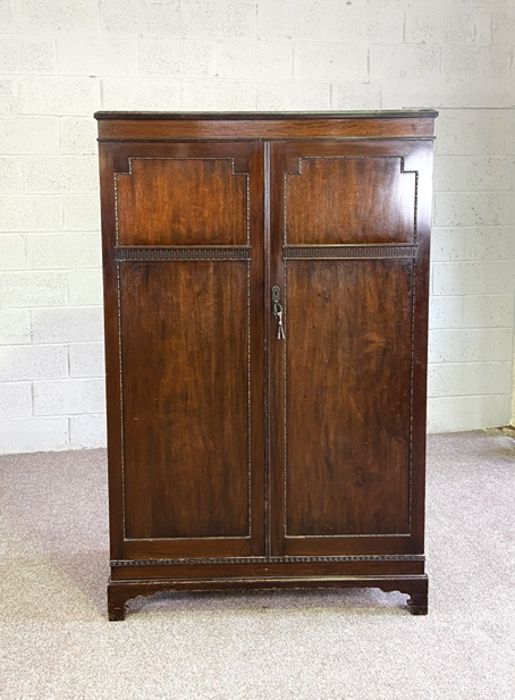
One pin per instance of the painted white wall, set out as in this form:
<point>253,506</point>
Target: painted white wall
<point>62,59</point>
<point>512,423</point>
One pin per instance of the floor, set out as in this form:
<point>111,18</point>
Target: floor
<point>55,641</point>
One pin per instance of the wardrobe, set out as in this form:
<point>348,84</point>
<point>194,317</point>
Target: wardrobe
<point>266,292</point>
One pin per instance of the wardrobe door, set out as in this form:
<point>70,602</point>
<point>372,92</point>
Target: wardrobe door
<point>183,262</point>
<point>350,235</point>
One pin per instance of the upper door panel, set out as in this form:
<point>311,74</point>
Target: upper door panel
<point>355,197</point>
<point>186,197</point>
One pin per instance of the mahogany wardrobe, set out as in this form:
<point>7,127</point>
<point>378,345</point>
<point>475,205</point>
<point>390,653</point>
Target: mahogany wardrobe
<point>266,291</point>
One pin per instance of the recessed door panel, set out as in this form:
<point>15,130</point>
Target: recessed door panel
<point>348,198</point>
<point>347,397</point>
<point>182,200</point>
<point>186,412</point>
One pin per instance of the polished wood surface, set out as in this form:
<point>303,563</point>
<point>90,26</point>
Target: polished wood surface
<point>140,126</point>
<point>151,202</point>
<point>347,464</point>
<point>186,417</point>
<point>237,459</point>
<point>415,586</point>
<point>347,398</point>
<point>332,199</point>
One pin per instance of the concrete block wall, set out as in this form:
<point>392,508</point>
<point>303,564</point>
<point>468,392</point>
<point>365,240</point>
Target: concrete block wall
<point>60,60</point>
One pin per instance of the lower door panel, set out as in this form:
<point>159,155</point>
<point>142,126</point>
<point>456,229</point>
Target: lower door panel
<point>346,411</point>
<point>186,419</point>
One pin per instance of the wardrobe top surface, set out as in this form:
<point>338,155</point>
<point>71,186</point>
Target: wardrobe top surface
<point>382,114</point>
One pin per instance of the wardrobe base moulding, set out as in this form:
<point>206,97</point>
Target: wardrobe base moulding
<point>416,587</point>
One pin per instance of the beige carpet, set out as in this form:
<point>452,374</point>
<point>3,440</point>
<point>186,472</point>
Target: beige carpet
<point>55,641</point>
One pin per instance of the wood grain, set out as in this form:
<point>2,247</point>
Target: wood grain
<point>186,412</point>
<point>349,199</point>
<point>184,476</point>
<point>347,407</point>
<point>182,200</point>
<point>348,391</point>
<point>253,128</point>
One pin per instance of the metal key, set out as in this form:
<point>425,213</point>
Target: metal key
<point>277,311</point>
<point>280,328</point>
